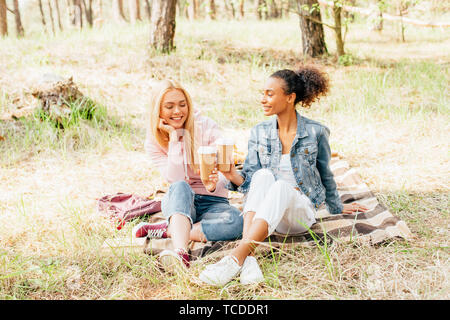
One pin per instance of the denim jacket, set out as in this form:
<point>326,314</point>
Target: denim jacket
<point>310,160</point>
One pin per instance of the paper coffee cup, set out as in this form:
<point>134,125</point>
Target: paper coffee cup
<point>207,157</point>
<point>225,148</point>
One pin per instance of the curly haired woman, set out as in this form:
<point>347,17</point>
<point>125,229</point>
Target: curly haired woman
<point>286,174</point>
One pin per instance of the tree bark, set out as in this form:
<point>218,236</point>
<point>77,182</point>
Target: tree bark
<point>78,17</point>
<point>50,10</point>
<point>212,10</point>
<point>274,11</point>
<point>337,14</point>
<point>118,10</point>
<point>258,9</point>
<point>135,10</point>
<point>88,12</point>
<point>193,9</point>
<point>19,27</point>
<point>3,21</point>
<point>313,37</point>
<point>262,8</point>
<point>58,14</point>
<point>148,9</point>
<point>230,7</point>
<point>41,9</point>
<point>379,24</point>
<point>163,25</point>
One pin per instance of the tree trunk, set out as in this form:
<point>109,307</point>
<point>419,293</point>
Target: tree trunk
<point>258,9</point>
<point>135,10</point>
<point>3,21</point>
<point>379,24</point>
<point>401,10</point>
<point>118,11</point>
<point>193,9</point>
<point>212,10</point>
<point>88,12</point>
<point>148,9</point>
<point>378,20</point>
<point>163,25</point>
<point>241,8</point>
<point>262,9</point>
<point>70,12</point>
<point>313,38</point>
<point>41,9</point>
<point>50,10</point>
<point>274,12</point>
<point>227,7</point>
<point>58,14</point>
<point>78,18</point>
<point>337,14</point>
<point>286,8</point>
<point>19,27</point>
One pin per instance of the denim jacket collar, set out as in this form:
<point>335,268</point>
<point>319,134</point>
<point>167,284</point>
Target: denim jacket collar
<point>301,129</point>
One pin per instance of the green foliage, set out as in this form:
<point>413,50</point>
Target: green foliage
<point>88,126</point>
<point>345,60</point>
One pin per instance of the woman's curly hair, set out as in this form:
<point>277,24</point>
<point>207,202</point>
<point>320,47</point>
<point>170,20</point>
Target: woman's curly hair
<point>308,83</point>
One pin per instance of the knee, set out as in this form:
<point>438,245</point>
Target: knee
<point>226,225</point>
<point>280,186</point>
<point>232,218</point>
<point>263,175</point>
<point>237,219</point>
<point>180,186</point>
<point>232,224</point>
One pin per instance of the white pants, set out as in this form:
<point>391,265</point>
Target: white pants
<point>285,209</point>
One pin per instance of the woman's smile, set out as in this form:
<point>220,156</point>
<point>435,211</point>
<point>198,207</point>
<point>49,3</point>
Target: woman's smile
<point>174,109</point>
<point>267,109</point>
<point>274,99</point>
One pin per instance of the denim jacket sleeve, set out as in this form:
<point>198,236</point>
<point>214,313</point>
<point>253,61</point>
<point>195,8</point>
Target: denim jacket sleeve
<point>251,164</point>
<point>332,199</point>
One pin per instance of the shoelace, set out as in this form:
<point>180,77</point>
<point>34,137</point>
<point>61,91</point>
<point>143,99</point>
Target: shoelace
<point>155,233</point>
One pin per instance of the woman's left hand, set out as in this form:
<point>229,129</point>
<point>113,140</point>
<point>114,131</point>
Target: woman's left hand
<point>211,184</point>
<point>353,207</point>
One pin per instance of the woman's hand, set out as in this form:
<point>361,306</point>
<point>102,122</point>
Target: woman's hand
<point>211,184</point>
<point>353,207</point>
<point>164,126</point>
<point>171,131</point>
<point>230,174</point>
<point>233,175</point>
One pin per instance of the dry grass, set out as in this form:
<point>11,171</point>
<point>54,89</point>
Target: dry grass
<point>388,114</point>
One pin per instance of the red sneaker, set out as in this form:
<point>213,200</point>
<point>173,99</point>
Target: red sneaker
<point>170,259</point>
<point>152,230</point>
<point>184,257</point>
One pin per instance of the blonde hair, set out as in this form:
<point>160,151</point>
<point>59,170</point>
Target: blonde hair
<point>162,137</point>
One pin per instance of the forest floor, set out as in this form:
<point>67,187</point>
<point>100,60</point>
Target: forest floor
<point>388,111</point>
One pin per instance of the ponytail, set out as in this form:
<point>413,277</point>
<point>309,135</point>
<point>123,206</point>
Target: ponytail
<point>308,83</point>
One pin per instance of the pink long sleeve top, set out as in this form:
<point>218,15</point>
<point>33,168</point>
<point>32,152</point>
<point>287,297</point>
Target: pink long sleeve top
<point>171,161</point>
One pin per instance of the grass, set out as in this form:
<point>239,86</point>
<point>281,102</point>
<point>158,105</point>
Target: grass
<point>388,112</point>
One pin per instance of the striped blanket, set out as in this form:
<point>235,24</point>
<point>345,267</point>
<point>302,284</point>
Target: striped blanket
<point>375,226</point>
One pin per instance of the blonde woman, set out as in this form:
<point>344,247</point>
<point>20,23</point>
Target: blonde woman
<point>195,209</point>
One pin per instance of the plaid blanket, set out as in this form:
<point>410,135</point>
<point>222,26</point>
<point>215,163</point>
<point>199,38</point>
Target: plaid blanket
<point>375,226</point>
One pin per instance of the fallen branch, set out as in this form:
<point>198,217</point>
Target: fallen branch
<point>368,12</point>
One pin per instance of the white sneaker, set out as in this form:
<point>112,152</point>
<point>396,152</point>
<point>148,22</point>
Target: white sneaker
<point>220,273</point>
<point>251,273</point>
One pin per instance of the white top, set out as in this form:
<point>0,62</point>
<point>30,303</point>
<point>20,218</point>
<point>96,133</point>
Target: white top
<point>285,170</point>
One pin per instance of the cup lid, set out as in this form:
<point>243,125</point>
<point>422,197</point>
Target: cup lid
<point>206,149</point>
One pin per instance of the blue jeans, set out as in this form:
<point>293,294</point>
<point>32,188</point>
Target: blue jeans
<point>219,220</point>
